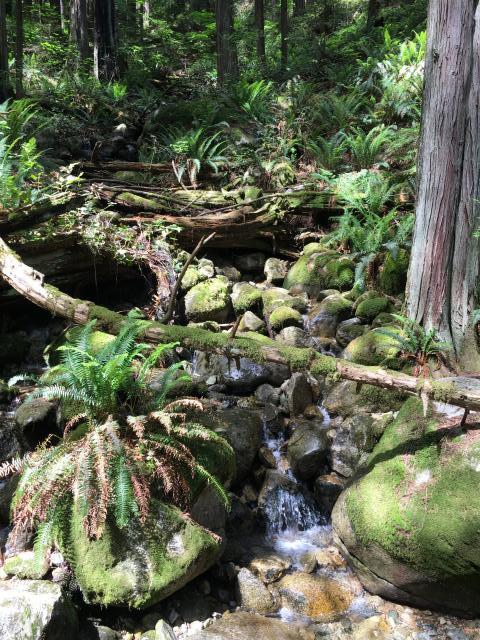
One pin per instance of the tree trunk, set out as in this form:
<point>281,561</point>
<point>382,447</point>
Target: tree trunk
<point>283,34</point>
<point>30,284</point>
<point>79,27</point>
<point>19,49</point>
<point>260,28</point>
<point>105,49</point>
<point>4,76</point>
<point>372,13</point>
<point>227,62</point>
<point>146,11</point>
<point>444,267</point>
<point>299,7</point>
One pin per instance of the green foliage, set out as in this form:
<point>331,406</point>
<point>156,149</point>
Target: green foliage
<point>416,344</point>
<point>252,99</point>
<point>366,149</point>
<point>328,153</point>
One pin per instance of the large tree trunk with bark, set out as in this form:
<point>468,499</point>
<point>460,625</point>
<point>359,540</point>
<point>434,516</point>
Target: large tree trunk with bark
<point>105,45</point>
<point>444,267</point>
<point>260,28</point>
<point>4,76</point>
<point>19,48</point>
<point>79,27</point>
<point>227,62</point>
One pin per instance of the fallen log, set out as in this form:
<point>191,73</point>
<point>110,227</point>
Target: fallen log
<point>40,212</point>
<point>30,284</point>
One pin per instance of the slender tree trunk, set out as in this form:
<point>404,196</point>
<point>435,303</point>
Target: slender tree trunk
<point>299,7</point>
<point>284,34</point>
<point>260,27</point>
<point>19,48</point>
<point>372,13</point>
<point>227,62</point>
<point>444,267</point>
<point>79,27</point>
<point>4,76</point>
<point>105,53</point>
<point>146,12</point>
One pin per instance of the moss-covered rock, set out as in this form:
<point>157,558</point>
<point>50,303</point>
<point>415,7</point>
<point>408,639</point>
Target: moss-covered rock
<point>392,276</point>
<point>283,317</point>
<point>137,568</point>
<point>316,271</point>
<point>97,340</point>
<point>369,309</point>
<point>245,296</point>
<point>348,330</point>
<point>208,300</point>
<point>373,348</point>
<point>279,297</point>
<point>24,566</point>
<point>191,278</point>
<point>344,399</point>
<point>411,523</point>
<point>325,317</point>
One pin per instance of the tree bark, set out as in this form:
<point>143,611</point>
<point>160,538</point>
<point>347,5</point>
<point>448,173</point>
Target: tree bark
<point>227,62</point>
<point>372,13</point>
<point>19,48</point>
<point>299,7</point>
<point>30,284</point>
<point>444,267</point>
<point>283,34</point>
<point>4,75</point>
<point>79,27</point>
<point>260,28</point>
<point>105,45</point>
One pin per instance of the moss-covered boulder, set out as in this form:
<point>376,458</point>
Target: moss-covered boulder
<point>36,610</point>
<point>279,297</point>
<point>283,316</point>
<point>392,275</point>
<point>136,568</point>
<point>245,296</point>
<point>371,308</point>
<point>24,566</point>
<point>411,524</point>
<point>325,317</point>
<point>375,347</point>
<point>208,300</point>
<point>316,271</point>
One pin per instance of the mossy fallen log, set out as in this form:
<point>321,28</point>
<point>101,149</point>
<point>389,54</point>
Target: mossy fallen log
<point>30,284</point>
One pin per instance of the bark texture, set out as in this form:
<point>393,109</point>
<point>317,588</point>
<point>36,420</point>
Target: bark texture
<point>105,45</point>
<point>260,28</point>
<point>444,266</point>
<point>19,48</point>
<point>227,62</point>
<point>79,27</point>
<point>4,79</point>
<point>283,34</point>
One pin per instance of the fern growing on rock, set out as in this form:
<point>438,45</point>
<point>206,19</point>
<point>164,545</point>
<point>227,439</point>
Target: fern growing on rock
<point>110,468</point>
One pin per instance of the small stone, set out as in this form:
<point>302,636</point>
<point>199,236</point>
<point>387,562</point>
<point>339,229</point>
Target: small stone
<point>251,322</point>
<point>308,562</point>
<point>275,270</point>
<point>250,262</point>
<point>298,393</point>
<point>267,458</point>
<point>269,567</point>
<point>164,631</point>
<point>195,627</point>
<point>252,593</point>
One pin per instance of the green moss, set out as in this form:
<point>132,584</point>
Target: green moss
<point>191,278</point>
<point>312,248</point>
<point>336,305</point>
<point>276,297</point>
<point>24,567</point>
<point>442,391</point>
<point>285,317</point>
<point>324,366</point>
<point>340,273</point>
<point>139,202</point>
<point>431,527</point>
<point>307,272</point>
<point>374,348</point>
<point>382,399</point>
<point>245,297</point>
<point>392,277</point>
<point>369,309</point>
<point>208,300</point>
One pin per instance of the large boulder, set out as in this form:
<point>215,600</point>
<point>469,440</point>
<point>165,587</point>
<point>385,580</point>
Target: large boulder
<point>252,594</point>
<point>392,275</point>
<point>275,270</point>
<point>375,347</point>
<point>36,610</point>
<point>245,296</point>
<point>208,300</point>
<point>136,569</point>
<point>411,524</point>
<point>36,419</point>
<point>344,399</point>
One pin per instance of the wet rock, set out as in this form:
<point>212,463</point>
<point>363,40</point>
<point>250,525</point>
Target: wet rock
<point>267,458</point>
<point>250,262</point>
<point>242,429</point>
<point>10,441</point>
<point>282,500</point>
<point>252,594</point>
<point>307,448</point>
<point>354,438</point>
<point>250,626</point>
<point>317,597</point>
<point>293,337</point>
<point>327,488</point>
<point>209,511</point>
<point>275,270</point>
<point>241,375</point>
<point>208,300</point>
<point>267,394</point>
<point>348,330</point>
<point>325,317</point>
<point>269,567</point>
<point>251,322</point>
<point>298,393</point>
<point>36,418</point>
<point>34,610</point>
<point>245,296</point>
